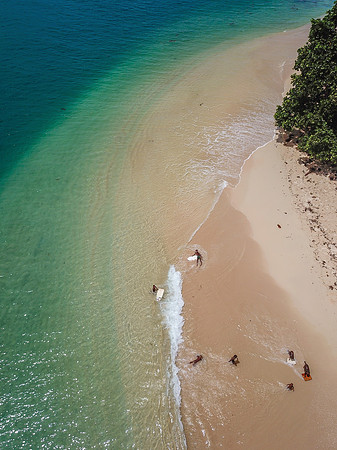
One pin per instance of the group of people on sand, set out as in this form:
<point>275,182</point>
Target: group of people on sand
<point>306,375</point>
<point>235,360</point>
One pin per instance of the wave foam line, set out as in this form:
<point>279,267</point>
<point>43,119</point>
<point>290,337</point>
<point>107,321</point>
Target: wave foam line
<point>225,145</point>
<point>220,190</point>
<point>174,321</point>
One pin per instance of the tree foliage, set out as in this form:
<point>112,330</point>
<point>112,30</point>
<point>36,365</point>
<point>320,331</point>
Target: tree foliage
<point>311,103</point>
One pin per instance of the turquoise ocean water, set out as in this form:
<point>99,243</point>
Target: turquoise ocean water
<point>87,361</point>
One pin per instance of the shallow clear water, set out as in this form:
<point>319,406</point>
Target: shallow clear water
<point>86,355</point>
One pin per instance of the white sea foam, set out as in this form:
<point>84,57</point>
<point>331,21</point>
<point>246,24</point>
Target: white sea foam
<point>218,193</point>
<point>226,146</point>
<point>227,143</point>
<point>172,311</point>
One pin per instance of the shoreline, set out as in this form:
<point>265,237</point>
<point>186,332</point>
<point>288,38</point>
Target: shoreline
<point>298,192</point>
<point>261,292</point>
<point>178,149</point>
<point>236,304</point>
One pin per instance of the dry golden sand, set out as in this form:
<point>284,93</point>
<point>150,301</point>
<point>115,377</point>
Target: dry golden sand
<point>268,284</point>
<point>315,198</point>
<point>260,292</point>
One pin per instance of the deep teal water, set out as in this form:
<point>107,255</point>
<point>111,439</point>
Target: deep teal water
<point>72,73</point>
<point>52,53</point>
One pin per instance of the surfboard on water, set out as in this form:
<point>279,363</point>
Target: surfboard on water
<point>291,361</point>
<point>160,294</point>
<point>192,258</point>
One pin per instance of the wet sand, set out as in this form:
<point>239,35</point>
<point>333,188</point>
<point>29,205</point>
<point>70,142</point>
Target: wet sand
<point>260,290</point>
<point>183,150</point>
<point>259,293</point>
<point>263,289</point>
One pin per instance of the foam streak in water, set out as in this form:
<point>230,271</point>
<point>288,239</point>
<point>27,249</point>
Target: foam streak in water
<point>173,319</point>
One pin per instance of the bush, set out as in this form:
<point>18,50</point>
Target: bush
<point>321,145</point>
<point>311,103</point>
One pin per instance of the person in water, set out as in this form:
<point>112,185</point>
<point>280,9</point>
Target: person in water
<point>306,369</point>
<point>290,387</point>
<point>291,355</point>
<point>234,360</point>
<point>196,360</point>
<point>199,257</point>
<point>154,289</point>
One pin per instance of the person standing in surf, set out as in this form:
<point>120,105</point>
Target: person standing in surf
<point>291,355</point>
<point>199,257</point>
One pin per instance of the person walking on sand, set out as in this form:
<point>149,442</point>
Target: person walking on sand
<point>290,387</point>
<point>291,355</point>
<point>199,257</point>
<point>234,360</point>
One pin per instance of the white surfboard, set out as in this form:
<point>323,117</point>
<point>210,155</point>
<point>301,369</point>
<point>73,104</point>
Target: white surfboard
<point>160,294</point>
<point>192,258</point>
<point>291,361</point>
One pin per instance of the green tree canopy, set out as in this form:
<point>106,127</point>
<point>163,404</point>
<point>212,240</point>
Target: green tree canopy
<point>311,103</point>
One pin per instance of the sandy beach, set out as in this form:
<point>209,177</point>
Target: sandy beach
<point>127,135</point>
<point>268,284</point>
<point>263,288</point>
<point>261,292</point>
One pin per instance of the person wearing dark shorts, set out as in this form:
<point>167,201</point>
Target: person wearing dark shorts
<point>199,257</point>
